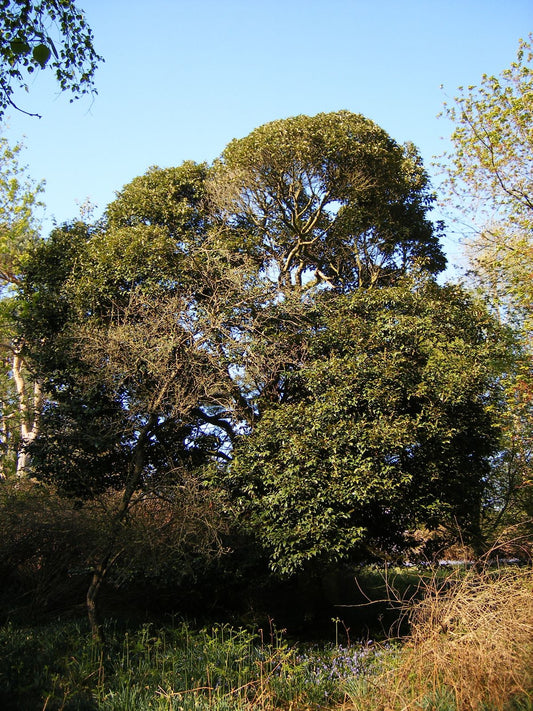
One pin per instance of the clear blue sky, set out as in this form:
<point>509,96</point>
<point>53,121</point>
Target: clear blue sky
<point>184,77</point>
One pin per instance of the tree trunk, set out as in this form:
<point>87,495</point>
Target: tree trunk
<point>4,438</point>
<point>107,560</point>
<point>92,594</point>
<point>29,414</point>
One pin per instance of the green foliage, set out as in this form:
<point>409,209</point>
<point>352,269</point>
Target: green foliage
<point>121,322</point>
<point>267,327</point>
<point>121,338</point>
<point>19,199</point>
<point>490,172</point>
<point>387,426</point>
<point>493,141</point>
<point>170,198</point>
<point>45,33</point>
<point>328,199</point>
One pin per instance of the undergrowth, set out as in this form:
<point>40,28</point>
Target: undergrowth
<point>470,648</point>
<point>221,668</point>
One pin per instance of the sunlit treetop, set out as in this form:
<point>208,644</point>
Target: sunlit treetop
<point>492,159</point>
<point>490,177</point>
<point>19,206</point>
<point>40,34</point>
<point>328,199</point>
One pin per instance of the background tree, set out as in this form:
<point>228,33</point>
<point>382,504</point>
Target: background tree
<point>123,322</point>
<point>490,173</point>
<point>20,395</point>
<point>36,34</point>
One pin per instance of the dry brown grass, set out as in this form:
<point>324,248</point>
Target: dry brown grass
<point>471,647</point>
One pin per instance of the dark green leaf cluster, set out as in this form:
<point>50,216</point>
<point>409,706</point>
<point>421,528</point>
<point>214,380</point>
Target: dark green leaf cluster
<point>35,34</point>
<point>386,428</point>
<point>119,324</point>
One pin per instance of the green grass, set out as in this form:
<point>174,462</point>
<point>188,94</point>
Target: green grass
<point>221,668</point>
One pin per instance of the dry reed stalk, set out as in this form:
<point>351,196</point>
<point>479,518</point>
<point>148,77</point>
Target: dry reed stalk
<point>470,648</point>
<point>471,640</point>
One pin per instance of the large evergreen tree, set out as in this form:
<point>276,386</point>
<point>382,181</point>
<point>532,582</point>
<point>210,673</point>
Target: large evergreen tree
<point>270,323</point>
<point>328,199</point>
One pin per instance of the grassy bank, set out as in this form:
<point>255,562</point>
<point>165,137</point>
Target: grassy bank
<point>470,648</point>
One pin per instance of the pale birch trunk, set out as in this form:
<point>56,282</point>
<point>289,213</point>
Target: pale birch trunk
<point>4,435</point>
<point>29,410</point>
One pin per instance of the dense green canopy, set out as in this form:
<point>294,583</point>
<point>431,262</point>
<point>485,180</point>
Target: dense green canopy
<point>267,331</point>
<point>328,199</point>
<point>385,428</point>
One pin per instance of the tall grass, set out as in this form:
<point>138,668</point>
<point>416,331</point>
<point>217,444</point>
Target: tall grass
<point>220,668</point>
<point>470,649</point>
